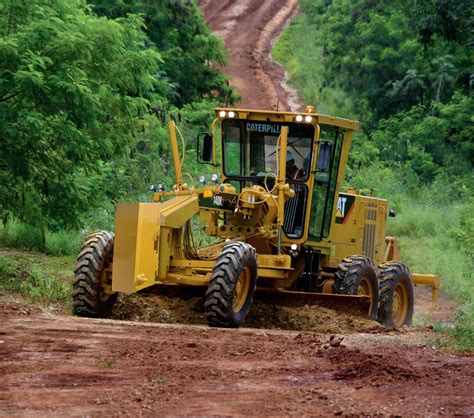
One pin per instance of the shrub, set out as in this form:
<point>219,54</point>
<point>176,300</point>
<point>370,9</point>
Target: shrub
<point>18,235</point>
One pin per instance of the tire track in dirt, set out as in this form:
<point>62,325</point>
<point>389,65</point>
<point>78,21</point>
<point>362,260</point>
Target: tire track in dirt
<point>249,28</point>
<point>63,366</point>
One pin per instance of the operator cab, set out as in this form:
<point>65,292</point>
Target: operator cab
<point>250,156</point>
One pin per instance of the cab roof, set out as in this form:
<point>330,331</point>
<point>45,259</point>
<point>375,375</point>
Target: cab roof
<point>276,116</point>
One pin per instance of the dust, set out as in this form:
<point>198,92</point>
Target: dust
<point>175,310</point>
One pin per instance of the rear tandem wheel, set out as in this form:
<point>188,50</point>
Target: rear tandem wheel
<point>232,285</point>
<point>396,295</point>
<point>356,275</point>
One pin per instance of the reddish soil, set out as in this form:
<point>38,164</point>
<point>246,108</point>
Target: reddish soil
<point>65,366</point>
<point>249,28</point>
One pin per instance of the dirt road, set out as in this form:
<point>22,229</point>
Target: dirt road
<point>52,365</point>
<point>249,29</point>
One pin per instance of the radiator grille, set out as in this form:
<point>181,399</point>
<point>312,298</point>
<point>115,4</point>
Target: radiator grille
<point>294,212</point>
<point>369,230</point>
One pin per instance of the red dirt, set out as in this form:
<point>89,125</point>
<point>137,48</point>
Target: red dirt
<point>65,366</point>
<point>249,29</point>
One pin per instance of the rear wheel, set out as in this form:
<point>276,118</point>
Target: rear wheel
<point>356,275</point>
<point>91,293</point>
<point>397,299</point>
<point>232,285</point>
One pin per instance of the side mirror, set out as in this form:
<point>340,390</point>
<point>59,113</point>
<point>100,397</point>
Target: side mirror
<point>324,157</point>
<point>391,213</point>
<point>204,155</point>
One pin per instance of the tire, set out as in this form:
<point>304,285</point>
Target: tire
<point>356,275</point>
<point>397,295</point>
<point>92,274</point>
<point>232,286</point>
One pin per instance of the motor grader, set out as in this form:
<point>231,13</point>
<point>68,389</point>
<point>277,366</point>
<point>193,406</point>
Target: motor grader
<point>284,228</point>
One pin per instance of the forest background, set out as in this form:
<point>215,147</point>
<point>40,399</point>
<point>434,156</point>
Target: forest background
<point>86,89</point>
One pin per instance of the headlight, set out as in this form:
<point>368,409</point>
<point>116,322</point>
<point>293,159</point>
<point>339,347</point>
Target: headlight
<point>160,187</point>
<point>202,179</point>
<point>299,118</point>
<point>215,178</point>
<point>231,114</point>
<point>222,113</point>
<point>308,119</point>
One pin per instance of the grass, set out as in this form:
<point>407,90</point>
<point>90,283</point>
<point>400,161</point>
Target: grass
<point>460,335</point>
<point>306,69</point>
<point>17,235</point>
<point>36,279</point>
<point>108,362</point>
<point>431,240</point>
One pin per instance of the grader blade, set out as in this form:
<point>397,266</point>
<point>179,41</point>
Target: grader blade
<point>357,305</point>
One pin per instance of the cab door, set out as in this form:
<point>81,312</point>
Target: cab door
<point>325,181</point>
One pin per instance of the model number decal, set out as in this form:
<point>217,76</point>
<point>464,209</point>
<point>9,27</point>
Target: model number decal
<point>218,200</point>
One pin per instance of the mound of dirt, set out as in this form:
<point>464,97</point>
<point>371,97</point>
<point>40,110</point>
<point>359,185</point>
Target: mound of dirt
<point>370,369</point>
<point>174,310</point>
<point>14,308</point>
<point>157,308</point>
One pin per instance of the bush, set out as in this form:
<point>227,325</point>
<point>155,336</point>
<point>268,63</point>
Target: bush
<point>460,335</point>
<point>7,268</point>
<point>464,330</point>
<point>34,278</point>
<point>40,287</point>
<point>19,235</point>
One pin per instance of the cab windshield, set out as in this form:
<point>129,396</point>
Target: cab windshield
<point>250,148</point>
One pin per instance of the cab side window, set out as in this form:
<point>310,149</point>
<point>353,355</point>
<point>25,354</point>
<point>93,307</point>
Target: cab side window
<point>325,182</point>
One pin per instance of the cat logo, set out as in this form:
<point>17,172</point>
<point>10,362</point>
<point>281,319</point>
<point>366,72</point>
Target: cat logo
<point>341,207</point>
<point>345,204</point>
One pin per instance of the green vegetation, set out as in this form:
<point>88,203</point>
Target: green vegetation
<point>404,70</point>
<point>19,235</point>
<point>108,362</point>
<point>85,94</point>
<point>86,91</point>
<point>36,278</point>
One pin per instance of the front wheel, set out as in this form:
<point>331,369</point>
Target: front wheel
<point>232,285</point>
<point>396,295</point>
<point>91,293</point>
<point>356,275</point>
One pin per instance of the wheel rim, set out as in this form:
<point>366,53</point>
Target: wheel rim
<point>105,282</point>
<point>241,290</point>
<point>400,304</point>
<point>365,289</point>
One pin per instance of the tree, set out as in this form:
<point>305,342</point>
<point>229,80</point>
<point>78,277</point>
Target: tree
<point>443,75</point>
<point>412,87</point>
<point>74,89</point>
<point>178,30</point>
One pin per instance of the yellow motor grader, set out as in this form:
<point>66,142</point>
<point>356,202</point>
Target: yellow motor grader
<point>283,228</point>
